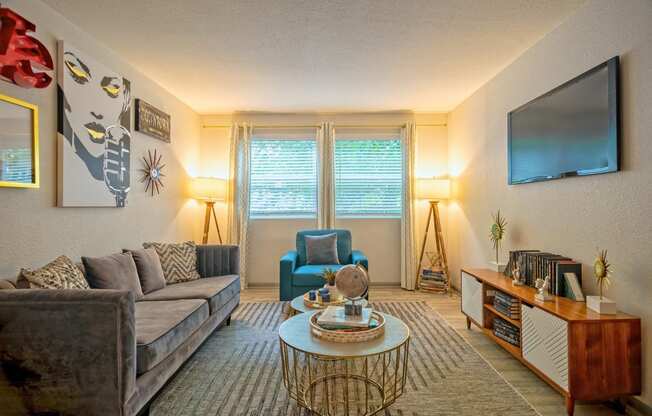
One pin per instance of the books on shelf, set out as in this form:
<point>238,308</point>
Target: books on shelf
<point>333,317</point>
<point>535,264</point>
<point>433,280</point>
<point>507,332</point>
<point>507,305</point>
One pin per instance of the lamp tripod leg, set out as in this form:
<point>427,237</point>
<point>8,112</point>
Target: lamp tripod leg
<point>217,224</point>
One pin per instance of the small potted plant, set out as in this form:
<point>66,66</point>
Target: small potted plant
<point>329,275</point>
<point>602,273</point>
<point>497,233</point>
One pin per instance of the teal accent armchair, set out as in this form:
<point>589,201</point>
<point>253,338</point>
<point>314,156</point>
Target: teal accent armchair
<point>297,277</point>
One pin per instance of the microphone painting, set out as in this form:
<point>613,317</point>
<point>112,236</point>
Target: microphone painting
<point>94,140</point>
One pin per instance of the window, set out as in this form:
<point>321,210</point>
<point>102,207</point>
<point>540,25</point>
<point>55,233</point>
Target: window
<point>368,178</point>
<point>283,178</point>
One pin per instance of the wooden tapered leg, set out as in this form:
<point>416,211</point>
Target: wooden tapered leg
<point>468,323</point>
<point>217,224</point>
<point>570,406</point>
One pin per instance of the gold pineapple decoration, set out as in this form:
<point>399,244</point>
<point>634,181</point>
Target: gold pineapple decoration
<point>602,271</point>
<point>497,231</point>
<point>329,275</point>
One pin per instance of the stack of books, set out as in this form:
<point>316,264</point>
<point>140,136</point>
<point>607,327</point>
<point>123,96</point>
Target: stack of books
<point>507,305</point>
<point>333,318</point>
<point>433,280</point>
<point>535,264</point>
<point>507,332</point>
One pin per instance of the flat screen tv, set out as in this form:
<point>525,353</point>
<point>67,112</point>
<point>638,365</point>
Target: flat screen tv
<point>572,130</point>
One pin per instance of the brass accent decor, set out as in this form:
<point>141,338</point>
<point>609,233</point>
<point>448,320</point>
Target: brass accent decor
<point>329,378</point>
<point>19,144</point>
<point>602,271</point>
<point>497,232</point>
<point>152,175</point>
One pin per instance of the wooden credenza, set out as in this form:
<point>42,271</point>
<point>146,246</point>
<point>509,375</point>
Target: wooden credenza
<point>582,354</point>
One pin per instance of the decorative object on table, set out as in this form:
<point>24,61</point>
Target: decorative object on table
<point>573,288</point>
<point>325,295</point>
<point>312,295</point>
<point>352,282</point>
<point>497,233</point>
<point>329,276</point>
<point>21,54</point>
<point>434,279</point>
<point>602,272</point>
<point>19,147</point>
<point>152,175</point>
<point>94,140</point>
<point>306,303</point>
<point>516,276</point>
<point>332,324</point>
<point>209,190</point>
<point>542,286</point>
<point>152,121</point>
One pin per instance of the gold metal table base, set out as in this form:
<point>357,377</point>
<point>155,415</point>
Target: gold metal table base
<point>356,385</point>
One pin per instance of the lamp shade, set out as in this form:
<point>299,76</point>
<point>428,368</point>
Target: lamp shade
<point>433,189</point>
<point>208,189</point>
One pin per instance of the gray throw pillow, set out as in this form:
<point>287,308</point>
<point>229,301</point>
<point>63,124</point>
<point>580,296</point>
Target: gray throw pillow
<point>117,271</point>
<point>179,260</point>
<point>149,269</point>
<point>321,249</point>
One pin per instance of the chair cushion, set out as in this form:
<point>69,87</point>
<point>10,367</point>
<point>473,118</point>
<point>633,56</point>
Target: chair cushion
<point>116,271</point>
<point>162,326</point>
<point>311,274</point>
<point>321,249</point>
<point>343,244</point>
<point>216,290</point>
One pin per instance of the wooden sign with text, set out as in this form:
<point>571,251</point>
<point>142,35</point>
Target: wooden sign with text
<point>152,121</point>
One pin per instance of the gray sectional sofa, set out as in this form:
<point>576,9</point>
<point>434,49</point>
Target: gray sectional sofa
<point>97,351</point>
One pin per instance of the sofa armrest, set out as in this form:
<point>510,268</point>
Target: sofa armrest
<point>358,257</point>
<point>66,351</point>
<point>218,260</point>
<point>287,266</point>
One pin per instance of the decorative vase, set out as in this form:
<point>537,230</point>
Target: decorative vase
<point>601,305</point>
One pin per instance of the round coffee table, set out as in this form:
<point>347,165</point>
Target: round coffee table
<point>299,306</point>
<point>332,378</point>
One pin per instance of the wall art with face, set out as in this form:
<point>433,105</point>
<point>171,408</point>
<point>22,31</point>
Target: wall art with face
<point>94,140</point>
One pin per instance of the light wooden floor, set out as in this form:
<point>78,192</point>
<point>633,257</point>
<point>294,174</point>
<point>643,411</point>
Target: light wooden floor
<point>544,399</point>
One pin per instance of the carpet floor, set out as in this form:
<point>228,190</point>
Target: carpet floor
<point>237,371</point>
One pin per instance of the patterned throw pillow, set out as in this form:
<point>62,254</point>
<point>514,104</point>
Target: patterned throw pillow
<point>62,273</point>
<point>179,260</point>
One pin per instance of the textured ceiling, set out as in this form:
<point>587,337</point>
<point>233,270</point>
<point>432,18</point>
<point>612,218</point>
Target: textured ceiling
<point>321,55</point>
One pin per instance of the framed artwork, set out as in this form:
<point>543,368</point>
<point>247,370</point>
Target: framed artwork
<point>94,132</point>
<point>152,121</point>
<point>19,160</point>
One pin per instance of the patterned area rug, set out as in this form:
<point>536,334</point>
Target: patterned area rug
<point>238,371</point>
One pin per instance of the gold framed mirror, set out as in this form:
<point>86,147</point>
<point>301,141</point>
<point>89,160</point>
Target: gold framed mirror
<point>19,158</point>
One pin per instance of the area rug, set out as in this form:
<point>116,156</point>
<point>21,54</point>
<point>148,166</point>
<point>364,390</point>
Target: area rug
<point>237,371</point>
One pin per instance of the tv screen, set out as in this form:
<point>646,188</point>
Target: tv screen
<point>570,131</point>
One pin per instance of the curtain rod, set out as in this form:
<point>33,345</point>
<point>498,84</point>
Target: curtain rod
<point>315,126</point>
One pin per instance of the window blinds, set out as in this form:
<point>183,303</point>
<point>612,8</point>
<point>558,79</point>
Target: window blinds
<point>283,178</point>
<point>16,165</point>
<point>368,177</point>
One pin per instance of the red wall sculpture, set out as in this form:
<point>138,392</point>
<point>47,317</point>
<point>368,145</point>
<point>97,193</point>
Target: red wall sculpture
<point>20,53</point>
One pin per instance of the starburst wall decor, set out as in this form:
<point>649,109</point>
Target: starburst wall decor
<point>152,175</point>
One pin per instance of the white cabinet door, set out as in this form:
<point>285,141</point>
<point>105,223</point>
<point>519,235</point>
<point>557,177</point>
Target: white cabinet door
<point>472,298</point>
<point>545,343</point>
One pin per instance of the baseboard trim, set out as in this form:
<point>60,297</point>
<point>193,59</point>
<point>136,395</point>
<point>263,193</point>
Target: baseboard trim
<point>635,407</point>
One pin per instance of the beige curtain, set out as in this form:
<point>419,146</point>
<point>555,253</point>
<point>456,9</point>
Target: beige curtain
<point>408,226</point>
<point>238,194</point>
<point>326,185</point>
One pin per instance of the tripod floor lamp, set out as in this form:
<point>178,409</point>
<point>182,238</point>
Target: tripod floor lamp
<point>209,190</point>
<point>436,277</point>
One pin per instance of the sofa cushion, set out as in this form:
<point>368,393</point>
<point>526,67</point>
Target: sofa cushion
<point>149,269</point>
<point>179,260</point>
<point>344,249</point>
<point>116,271</point>
<point>321,249</point>
<point>311,274</point>
<point>61,273</point>
<point>162,326</point>
<point>216,290</point>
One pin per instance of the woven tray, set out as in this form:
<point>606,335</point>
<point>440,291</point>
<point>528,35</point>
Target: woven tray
<point>345,337</point>
<point>318,304</point>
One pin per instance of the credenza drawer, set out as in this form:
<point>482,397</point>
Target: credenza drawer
<point>472,298</point>
<point>544,340</point>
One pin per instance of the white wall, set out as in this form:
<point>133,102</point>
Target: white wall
<point>379,239</point>
<point>34,231</point>
<point>572,216</point>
